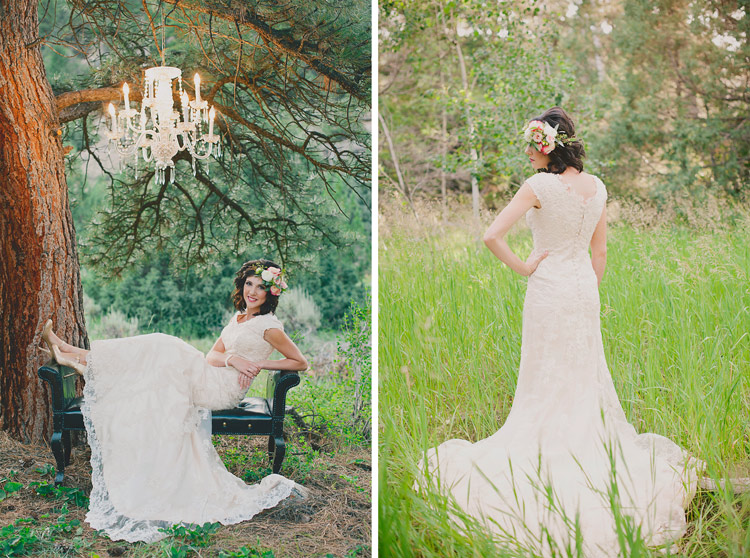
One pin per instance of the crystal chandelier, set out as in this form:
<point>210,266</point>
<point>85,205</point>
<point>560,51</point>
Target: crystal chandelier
<point>158,130</point>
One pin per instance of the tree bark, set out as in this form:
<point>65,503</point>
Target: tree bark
<point>39,273</point>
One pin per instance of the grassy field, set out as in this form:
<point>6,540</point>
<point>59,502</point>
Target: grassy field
<point>675,322</point>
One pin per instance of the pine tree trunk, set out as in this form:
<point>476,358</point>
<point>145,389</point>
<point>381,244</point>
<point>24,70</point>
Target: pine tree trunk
<point>39,273</point>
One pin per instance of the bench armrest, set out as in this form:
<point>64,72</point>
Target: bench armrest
<point>62,382</point>
<point>279,382</point>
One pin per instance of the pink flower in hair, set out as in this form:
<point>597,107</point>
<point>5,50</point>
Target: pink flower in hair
<point>275,290</point>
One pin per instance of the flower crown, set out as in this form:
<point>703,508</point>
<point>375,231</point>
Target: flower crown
<point>544,137</point>
<point>272,280</point>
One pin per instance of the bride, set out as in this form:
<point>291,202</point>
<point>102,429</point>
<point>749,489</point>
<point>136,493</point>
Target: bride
<point>145,410</point>
<point>566,474</point>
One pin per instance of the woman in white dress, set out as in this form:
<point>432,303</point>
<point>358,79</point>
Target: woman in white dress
<point>566,474</point>
<point>145,408</point>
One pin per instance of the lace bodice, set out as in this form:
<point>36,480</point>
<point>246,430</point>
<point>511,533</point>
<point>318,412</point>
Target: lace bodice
<point>246,339</point>
<point>565,223</point>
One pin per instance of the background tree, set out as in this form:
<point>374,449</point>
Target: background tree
<point>658,92</point>
<point>291,84</point>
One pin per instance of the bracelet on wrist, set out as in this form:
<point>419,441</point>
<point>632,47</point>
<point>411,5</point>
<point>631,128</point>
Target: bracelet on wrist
<point>226,360</point>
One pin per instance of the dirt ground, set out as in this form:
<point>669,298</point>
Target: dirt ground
<point>334,520</point>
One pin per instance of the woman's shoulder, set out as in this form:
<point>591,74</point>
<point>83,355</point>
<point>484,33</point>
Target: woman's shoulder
<point>600,186</point>
<point>269,321</point>
<point>540,183</point>
<point>538,178</point>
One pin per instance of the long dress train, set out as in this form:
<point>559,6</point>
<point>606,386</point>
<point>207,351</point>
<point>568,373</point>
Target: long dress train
<point>145,408</point>
<point>566,465</point>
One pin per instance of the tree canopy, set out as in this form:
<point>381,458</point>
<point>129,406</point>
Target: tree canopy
<point>291,84</point>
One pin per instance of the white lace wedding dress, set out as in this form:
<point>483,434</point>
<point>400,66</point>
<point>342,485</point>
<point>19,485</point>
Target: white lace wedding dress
<point>145,410</point>
<point>546,475</point>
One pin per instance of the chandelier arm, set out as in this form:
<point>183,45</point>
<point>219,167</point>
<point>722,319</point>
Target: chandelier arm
<point>181,146</point>
<point>206,155</point>
<point>71,98</point>
<point>138,131</point>
<point>129,150</point>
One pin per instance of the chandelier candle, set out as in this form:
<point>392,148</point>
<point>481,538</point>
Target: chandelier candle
<point>164,134</point>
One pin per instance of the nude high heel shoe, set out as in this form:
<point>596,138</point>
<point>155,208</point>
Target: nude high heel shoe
<point>74,364</point>
<point>45,335</point>
<point>51,356</point>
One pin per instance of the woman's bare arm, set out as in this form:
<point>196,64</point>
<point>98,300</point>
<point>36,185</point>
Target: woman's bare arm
<point>494,238</point>
<point>293,359</point>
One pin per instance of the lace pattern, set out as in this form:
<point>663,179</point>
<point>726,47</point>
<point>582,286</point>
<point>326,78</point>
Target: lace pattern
<point>153,464</point>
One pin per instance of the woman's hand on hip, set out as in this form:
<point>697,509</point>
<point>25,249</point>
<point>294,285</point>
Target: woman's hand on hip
<point>533,261</point>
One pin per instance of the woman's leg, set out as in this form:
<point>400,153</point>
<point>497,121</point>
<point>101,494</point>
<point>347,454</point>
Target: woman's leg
<point>69,351</point>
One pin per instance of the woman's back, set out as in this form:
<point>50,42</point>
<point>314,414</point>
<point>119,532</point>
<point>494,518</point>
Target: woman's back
<point>571,206</point>
<point>563,226</point>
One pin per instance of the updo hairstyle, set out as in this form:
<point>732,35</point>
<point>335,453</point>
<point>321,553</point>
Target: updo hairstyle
<point>570,154</point>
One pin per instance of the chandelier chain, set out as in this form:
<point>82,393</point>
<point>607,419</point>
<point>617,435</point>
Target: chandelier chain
<point>161,9</point>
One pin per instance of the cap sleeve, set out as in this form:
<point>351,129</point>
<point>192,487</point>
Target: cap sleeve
<point>603,188</point>
<point>270,321</point>
<point>540,185</point>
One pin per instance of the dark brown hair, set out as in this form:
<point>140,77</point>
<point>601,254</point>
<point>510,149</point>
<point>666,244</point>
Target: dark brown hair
<point>570,154</point>
<point>248,270</point>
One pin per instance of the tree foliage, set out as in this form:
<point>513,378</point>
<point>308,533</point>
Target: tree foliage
<point>290,82</point>
<point>682,121</point>
<point>658,92</point>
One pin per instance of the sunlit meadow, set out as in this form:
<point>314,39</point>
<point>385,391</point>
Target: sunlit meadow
<point>676,328</point>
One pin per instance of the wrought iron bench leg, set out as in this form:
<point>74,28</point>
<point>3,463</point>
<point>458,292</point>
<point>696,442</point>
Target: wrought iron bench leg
<point>59,452</point>
<point>66,444</point>
<point>279,449</point>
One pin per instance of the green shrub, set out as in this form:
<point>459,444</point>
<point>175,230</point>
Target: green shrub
<point>113,325</point>
<point>298,311</point>
<point>341,407</point>
<point>73,495</point>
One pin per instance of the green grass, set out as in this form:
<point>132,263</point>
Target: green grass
<point>675,323</point>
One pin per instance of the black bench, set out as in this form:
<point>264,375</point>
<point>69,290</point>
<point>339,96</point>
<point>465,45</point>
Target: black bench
<point>262,416</point>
